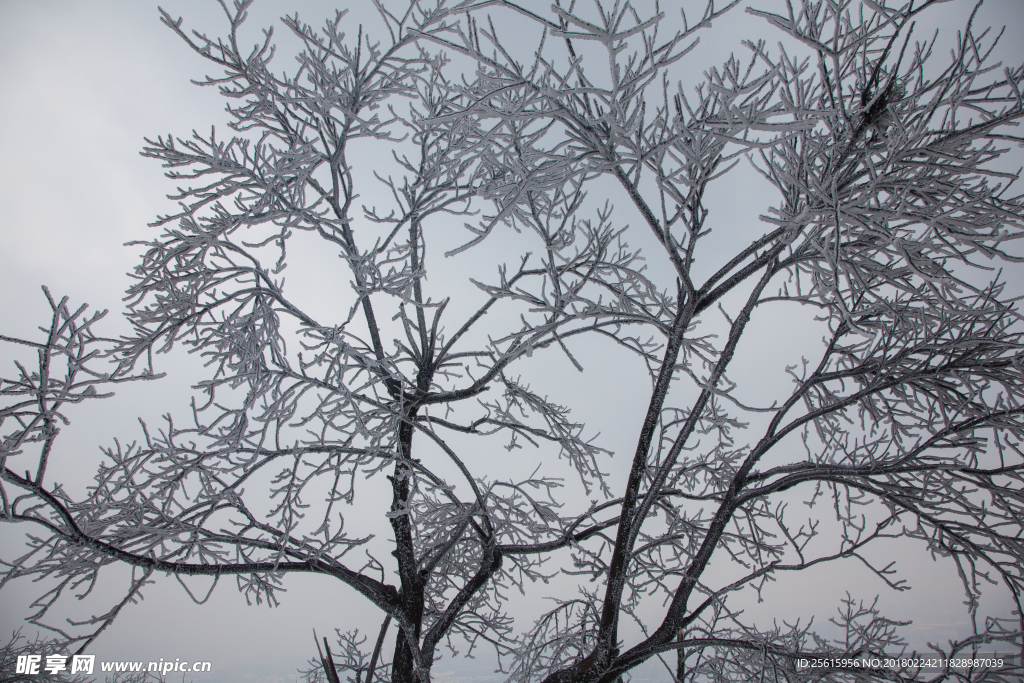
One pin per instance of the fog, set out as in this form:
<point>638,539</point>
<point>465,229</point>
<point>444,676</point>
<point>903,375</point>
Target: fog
<point>83,83</point>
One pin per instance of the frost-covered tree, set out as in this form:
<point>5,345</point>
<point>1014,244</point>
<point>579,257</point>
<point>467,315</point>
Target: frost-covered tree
<point>492,127</point>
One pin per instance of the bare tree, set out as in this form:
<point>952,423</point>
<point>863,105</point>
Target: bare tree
<point>902,422</point>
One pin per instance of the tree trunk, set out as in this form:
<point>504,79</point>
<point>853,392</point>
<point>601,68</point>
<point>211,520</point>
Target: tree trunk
<point>403,668</point>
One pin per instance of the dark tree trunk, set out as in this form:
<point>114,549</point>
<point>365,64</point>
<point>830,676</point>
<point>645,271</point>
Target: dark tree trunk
<point>403,668</point>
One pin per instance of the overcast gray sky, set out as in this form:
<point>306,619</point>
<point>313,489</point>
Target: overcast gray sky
<point>82,82</point>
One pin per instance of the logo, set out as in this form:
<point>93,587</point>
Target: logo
<point>33,664</point>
